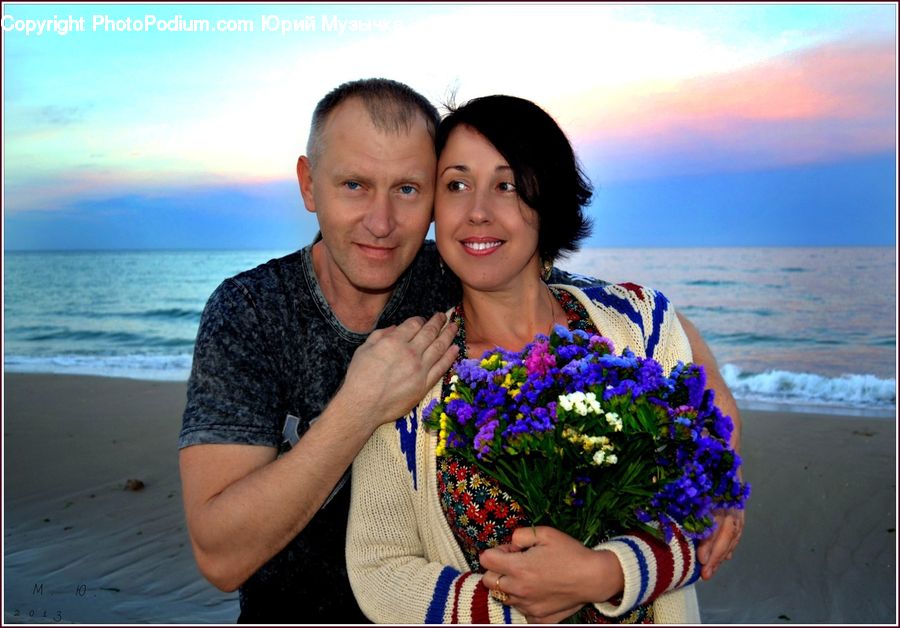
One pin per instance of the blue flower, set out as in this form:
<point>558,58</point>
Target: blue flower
<point>514,430</point>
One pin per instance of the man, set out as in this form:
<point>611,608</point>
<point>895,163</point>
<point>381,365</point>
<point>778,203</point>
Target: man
<point>292,338</point>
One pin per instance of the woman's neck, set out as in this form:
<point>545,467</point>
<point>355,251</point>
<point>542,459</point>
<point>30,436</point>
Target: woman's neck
<point>509,319</point>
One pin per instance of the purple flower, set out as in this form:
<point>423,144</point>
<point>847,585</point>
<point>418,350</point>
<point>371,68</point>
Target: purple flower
<point>484,437</point>
<point>539,360</point>
<point>678,469</point>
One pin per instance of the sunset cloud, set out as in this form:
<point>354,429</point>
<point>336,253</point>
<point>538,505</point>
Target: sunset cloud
<point>647,92</point>
<point>818,105</point>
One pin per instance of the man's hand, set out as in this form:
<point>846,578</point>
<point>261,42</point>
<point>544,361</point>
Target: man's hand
<point>243,505</point>
<point>720,545</point>
<point>397,366</point>
<point>549,575</point>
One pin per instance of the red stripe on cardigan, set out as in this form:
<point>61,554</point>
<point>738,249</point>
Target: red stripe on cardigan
<point>687,562</point>
<point>454,617</point>
<point>480,604</point>
<point>665,565</point>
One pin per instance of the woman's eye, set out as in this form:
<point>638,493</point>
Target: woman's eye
<point>507,186</point>
<point>456,186</point>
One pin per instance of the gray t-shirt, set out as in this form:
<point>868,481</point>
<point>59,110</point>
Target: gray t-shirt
<point>269,346</point>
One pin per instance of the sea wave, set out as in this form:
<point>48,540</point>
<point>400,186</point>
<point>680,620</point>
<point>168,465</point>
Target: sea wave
<point>693,310</point>
<point>44,334</point>
<point>800,390</point>
<point>808,389</point>
<point>155,367</point>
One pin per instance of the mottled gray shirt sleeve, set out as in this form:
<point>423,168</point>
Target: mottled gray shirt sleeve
<point>233,387</point>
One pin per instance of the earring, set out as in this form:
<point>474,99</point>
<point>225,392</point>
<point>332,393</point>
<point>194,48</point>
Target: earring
<point>546,269</point>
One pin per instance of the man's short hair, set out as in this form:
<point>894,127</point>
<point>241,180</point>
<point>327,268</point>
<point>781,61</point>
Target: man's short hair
<point>392,106</point>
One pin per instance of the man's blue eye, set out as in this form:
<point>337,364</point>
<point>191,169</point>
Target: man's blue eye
<point>352,185</point>
<point>407,189</point>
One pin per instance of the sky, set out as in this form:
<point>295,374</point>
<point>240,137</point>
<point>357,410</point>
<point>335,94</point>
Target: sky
<point>173,126</point>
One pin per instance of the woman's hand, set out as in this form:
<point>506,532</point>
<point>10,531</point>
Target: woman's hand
<point>549,576</point>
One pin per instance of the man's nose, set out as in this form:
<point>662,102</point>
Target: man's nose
<point>379,219</point>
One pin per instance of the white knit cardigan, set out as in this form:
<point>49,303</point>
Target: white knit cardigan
<point>403,561</point>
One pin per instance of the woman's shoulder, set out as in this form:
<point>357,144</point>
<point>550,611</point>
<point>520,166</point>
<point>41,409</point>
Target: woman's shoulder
<point>631,313</point>
<point>626,295</point>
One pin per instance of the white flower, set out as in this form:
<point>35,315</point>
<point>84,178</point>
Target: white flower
<point>614,421</point>
<point>580,402</point>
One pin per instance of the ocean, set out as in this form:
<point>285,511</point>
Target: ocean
<point>802,329</point>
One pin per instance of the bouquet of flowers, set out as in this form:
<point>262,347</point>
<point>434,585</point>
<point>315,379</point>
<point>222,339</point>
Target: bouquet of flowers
<point>590,442</point>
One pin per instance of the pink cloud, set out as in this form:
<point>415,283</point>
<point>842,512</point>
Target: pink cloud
<point>821,104</point>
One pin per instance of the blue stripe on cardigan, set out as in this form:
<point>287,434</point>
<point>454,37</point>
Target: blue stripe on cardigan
<point>660,307</point>
<point>435,613</point>
<point>697,568</point>
<point>408,441</point>
<point>623,306</point>
<point>642,564</point>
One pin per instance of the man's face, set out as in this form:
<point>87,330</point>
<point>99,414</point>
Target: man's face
<point>372,192</point>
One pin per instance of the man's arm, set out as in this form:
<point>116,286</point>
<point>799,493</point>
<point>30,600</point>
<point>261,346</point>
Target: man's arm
<point>243,505</point>
<point>729,524</point>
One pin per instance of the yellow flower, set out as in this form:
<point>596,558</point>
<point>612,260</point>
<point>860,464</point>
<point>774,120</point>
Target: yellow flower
<point>441,447</point>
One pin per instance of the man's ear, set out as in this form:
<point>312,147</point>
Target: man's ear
<point>305,179</point>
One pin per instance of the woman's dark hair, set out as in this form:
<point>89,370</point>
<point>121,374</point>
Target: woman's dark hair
<point>547,175</point>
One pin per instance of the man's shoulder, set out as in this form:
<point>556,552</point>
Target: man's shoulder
<point>275,271</point>
<point>432,287</point>
<point>270,281</point>
<point>428,257</point>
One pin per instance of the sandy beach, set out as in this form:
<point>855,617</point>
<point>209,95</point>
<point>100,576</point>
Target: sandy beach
<point>819,546</point>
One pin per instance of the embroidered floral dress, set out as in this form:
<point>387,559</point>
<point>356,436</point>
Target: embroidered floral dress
<point>480,513</point>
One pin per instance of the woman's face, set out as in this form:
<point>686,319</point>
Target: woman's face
<point>484,232</point>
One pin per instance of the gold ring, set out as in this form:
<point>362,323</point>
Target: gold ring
<point>499,594</point>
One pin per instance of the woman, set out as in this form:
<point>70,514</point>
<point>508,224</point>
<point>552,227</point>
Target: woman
<point>509,199</point>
